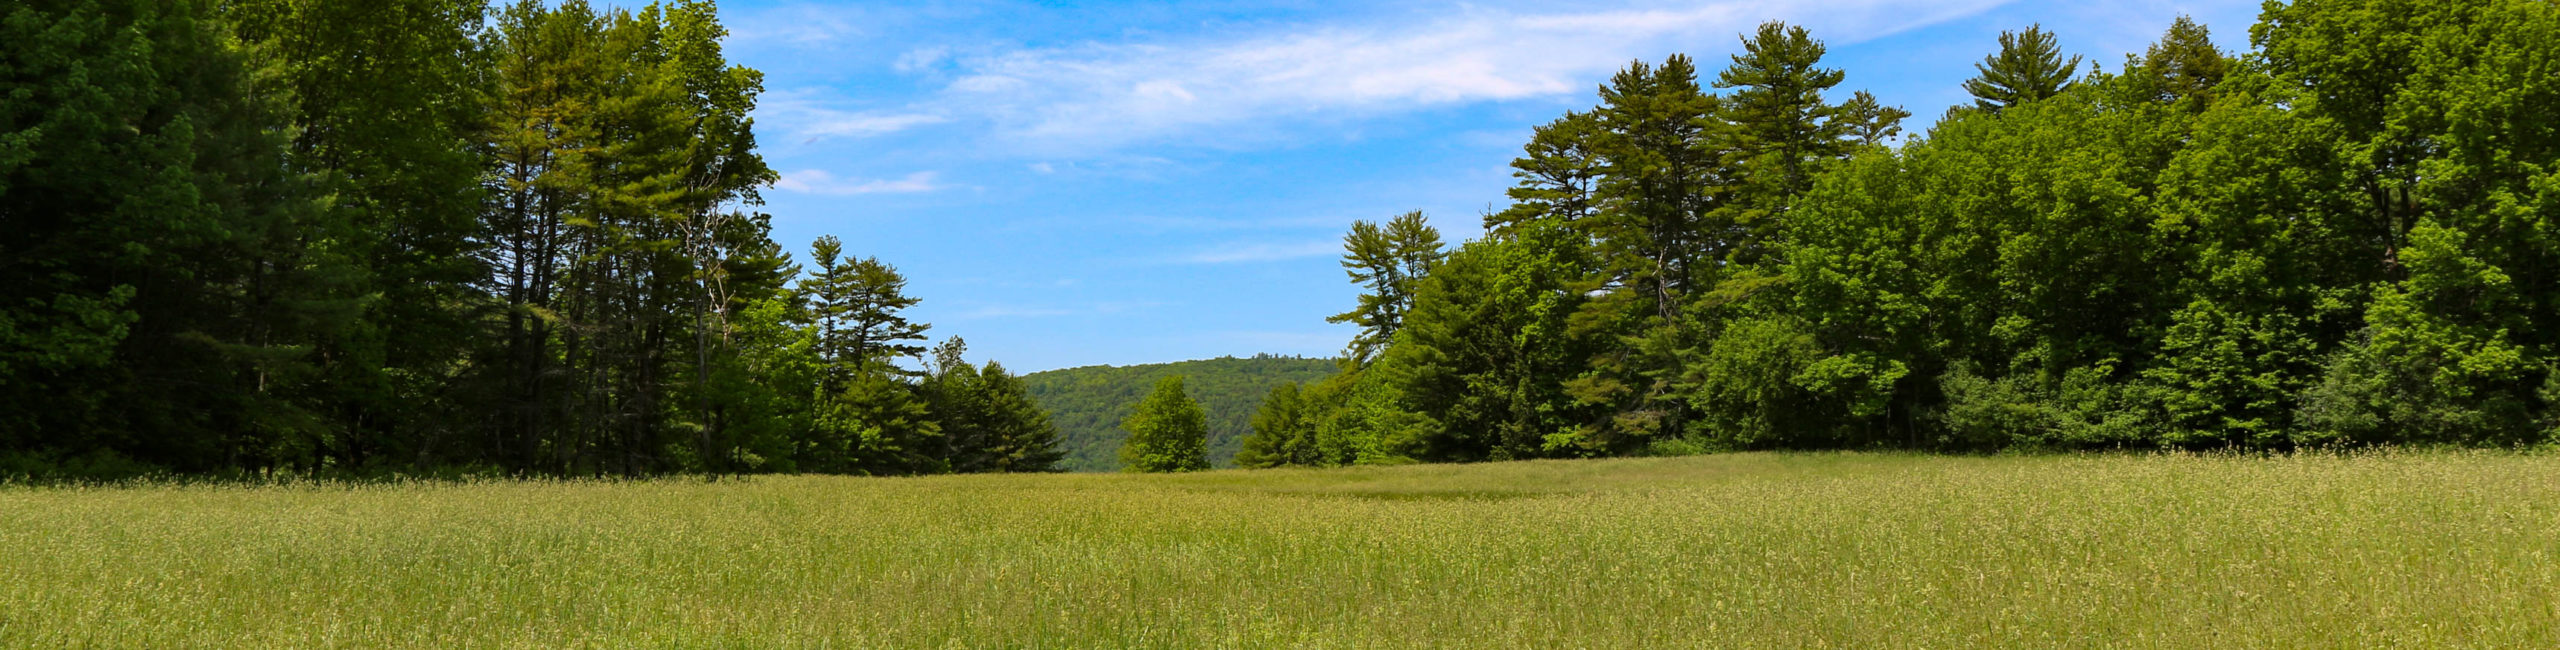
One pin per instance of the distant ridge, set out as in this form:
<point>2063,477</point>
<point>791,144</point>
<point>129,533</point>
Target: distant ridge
<point>1088,402</point>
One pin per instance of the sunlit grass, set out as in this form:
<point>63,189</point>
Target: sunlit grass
<point>1786,550</point>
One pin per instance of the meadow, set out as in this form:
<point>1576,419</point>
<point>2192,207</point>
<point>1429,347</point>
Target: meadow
<point>1753,550</point>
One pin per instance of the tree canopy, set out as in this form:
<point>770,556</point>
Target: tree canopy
<point>253,237</point>
<point>2336,238</point>
<point>1167,433</point>
<point>425,236</point>
<point>1088,403</point>
<point>2029,67</point>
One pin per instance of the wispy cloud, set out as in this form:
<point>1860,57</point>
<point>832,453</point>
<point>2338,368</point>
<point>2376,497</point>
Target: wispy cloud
<point>1262,252</point>
<point>866,124</point>
<point>809,118</point>
<point>813,181</point>
<point>922,58</point>
<point>1107,94</point>
<point>799,25</point>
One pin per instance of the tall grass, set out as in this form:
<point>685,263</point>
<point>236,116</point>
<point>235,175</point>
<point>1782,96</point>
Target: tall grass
<point>1769,550</point>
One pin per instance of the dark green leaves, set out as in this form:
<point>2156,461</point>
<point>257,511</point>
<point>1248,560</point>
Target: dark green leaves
<point>2028,67</point>
<point>1168,432</point>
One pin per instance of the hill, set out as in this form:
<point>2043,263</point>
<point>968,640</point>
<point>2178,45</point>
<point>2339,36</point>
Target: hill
<point>1087,403</point>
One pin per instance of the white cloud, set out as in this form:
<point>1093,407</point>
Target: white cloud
<point>1262,252</point>
<point>921,59</point>
<point>799,26</point>
<point>813,181</point>
<point>868,124</point>
<point>809,119</point>
<point>1100,95</point>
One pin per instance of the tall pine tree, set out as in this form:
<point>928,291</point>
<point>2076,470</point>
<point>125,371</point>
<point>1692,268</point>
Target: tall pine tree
<point>2028,67</point>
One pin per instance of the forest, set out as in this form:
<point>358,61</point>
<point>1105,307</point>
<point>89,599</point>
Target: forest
<point>2345,236</point>
<point>436,324</point>
<point>1089,403</point>
<point>250,237</point>
<point>254,237</point>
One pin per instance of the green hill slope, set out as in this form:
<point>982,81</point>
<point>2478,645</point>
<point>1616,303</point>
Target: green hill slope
<point>1087,403</point>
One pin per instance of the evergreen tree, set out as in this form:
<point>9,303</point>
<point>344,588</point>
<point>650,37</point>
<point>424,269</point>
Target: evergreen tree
<point>387,98</point>
<point>541,63</point>
<point>955,392</point>
<point>1783,126</point>
<point>1488,348</point>
<point>2028,67</point>
<point>1023,439</point>
<point>167,272</point>
<point>874,424</point>
<point>1167,433</point>
<point>336,236</point>
<point>1650,229</point>
<point>857,304</point>
<point>1388,260</point>
<point>1559,174</point>
<point>2184,66</point>
<point>1865,122</point>
<point>987,419</point>
<point>1282,432</point>
<point>330,236</point>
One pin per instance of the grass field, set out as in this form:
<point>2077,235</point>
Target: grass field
<point>1784,550</point>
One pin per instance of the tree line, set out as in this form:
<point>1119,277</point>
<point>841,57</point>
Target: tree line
<point>1089,403</point>
<point>253,236</point>
<point>2347,235</point>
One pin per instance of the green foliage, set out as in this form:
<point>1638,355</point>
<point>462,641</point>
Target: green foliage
<point>1281,432</point>
<point>1389,261</point>
<point>1365,422</point>
<point>339,237</point>
<point>1486,339</point>
<point>2028,67</point>
<point>2343,237</point>
<point>1650,233</point>
<point>1167,432</point>
<point>1088,403</point>
<point>856,304</point>
<point>1746,386</point>
<point>1559,174</point>
<point>1783,125</point>
<point>2436,363</point>
<point>169,272</point>
<point>2184,67</point>
<point>988,421</point>
<point>344,237</point>
<point>2083,408</point>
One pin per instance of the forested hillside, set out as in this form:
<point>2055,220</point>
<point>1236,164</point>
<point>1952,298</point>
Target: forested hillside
<point>1088,403</point>
<point>2348,235</point>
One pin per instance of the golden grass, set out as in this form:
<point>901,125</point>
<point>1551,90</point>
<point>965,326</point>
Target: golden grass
<point>1769,550</point>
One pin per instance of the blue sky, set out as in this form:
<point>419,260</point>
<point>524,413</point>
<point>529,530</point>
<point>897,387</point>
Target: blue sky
<point>1083,183</point>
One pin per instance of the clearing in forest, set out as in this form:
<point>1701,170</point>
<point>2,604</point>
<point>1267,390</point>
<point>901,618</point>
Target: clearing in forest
<point>1770,550</point>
